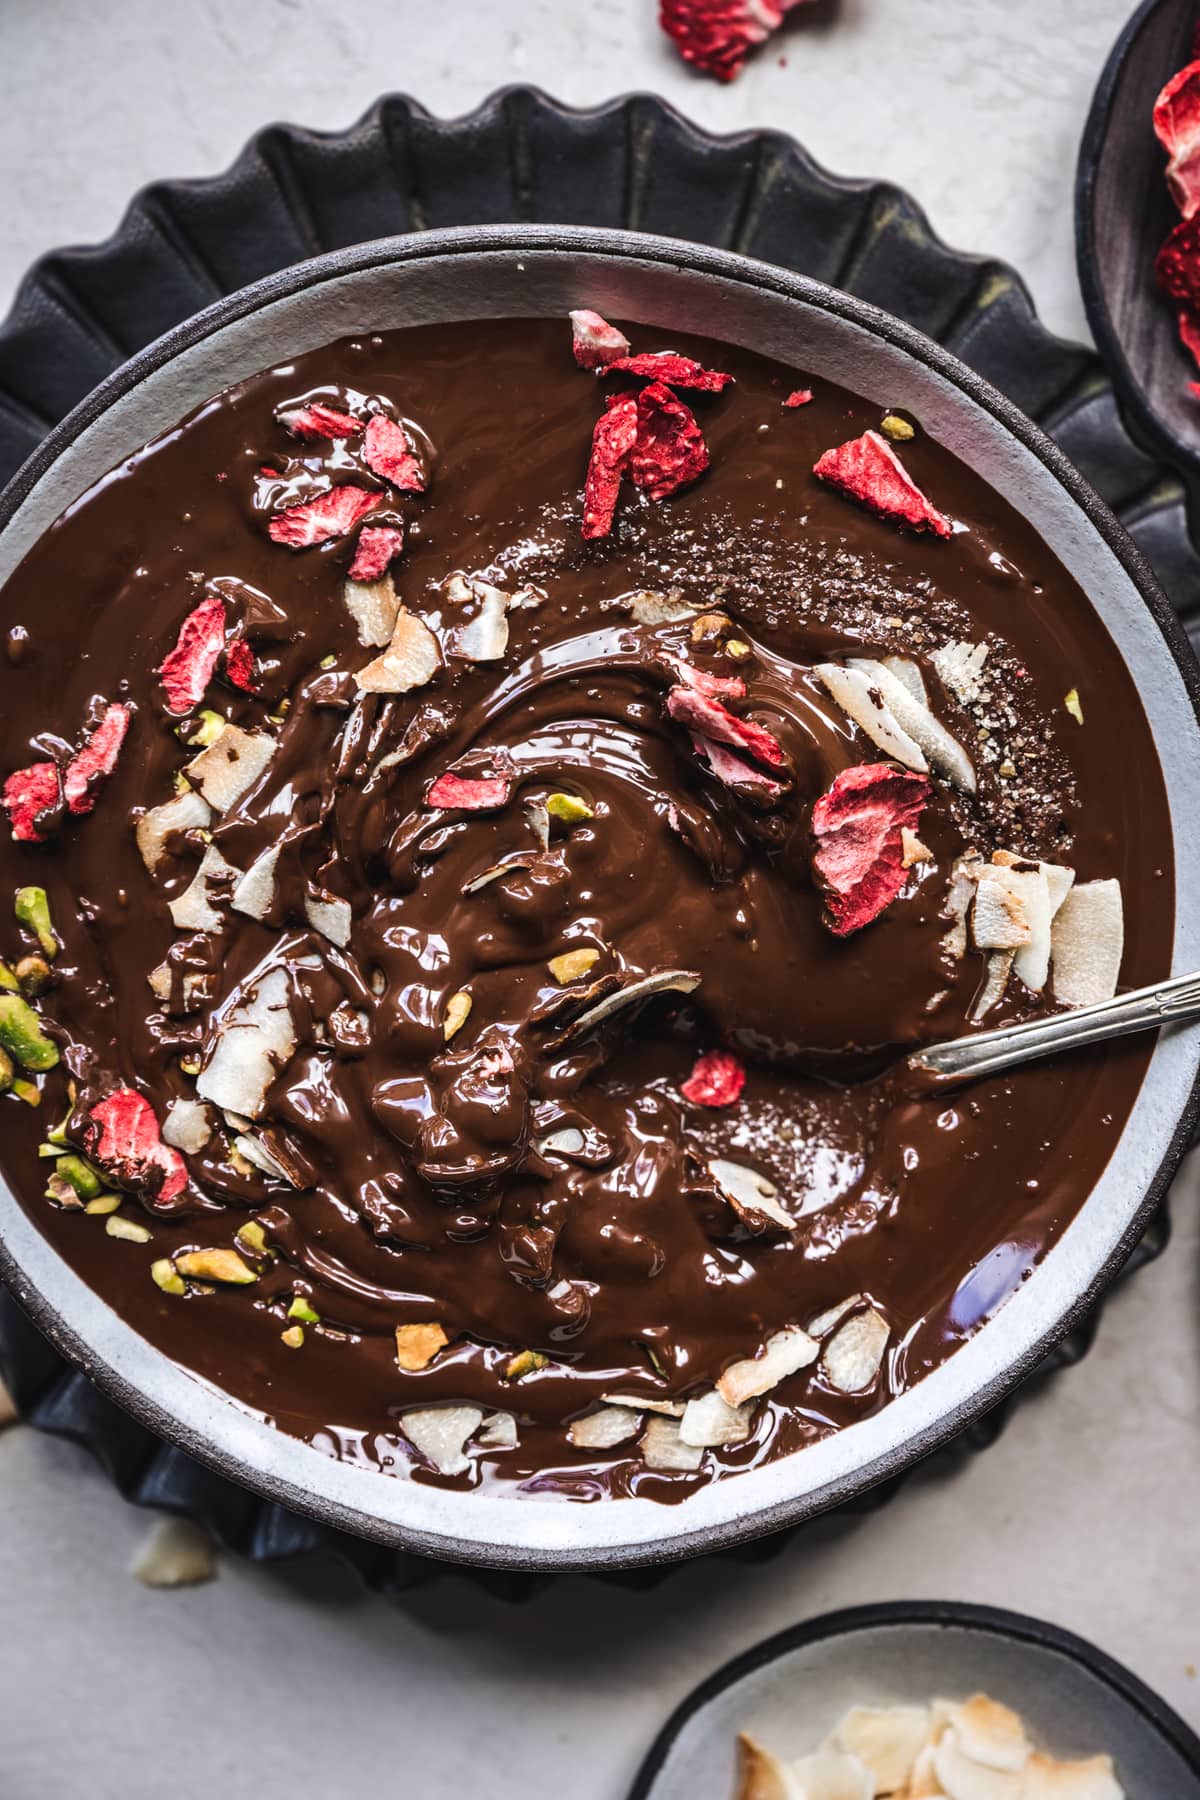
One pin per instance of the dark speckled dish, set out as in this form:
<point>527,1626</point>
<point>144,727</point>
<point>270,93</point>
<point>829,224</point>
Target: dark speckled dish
<point>634,163</point>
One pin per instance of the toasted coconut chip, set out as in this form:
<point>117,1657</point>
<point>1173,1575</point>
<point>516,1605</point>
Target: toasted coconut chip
<point>567,1142</point>
<point>186,812</point>
<point>912,850</point>
<point>411,659</point>
<point>908,673</point>
<point>833,1775</point>
<point>254,1040</point>
<point>194,986</point>
<point>942,751</point>
<point>824,1322</point>
<point>1032,961</point>
<point>259,1157</point>
<point>176,1554</point>
<point>924,1784</point>
<point>192,910</point>
<point>1094,1779</point>
<point>256,890</point>
<point>999,967</point>
<point>499,1432</point>
<point>960,667</point>
<point>485,637</point>
<point>1007,902</point>
<point>658,609</point>
<point>374,606</point>
<point>1060,880</point>
<point>887,1741</point>
<point>850,1360</point>
<point>963,877</point>
<point>331,916</point>
<point>680,981</point>
<point>668,1409</point>
<point>751,1195</point>
<point>441,1433</point>
<point>991,1734</point>
<point>1087,943</point>
<point>537,815</point>
<point>187,1126</point>
<point>783,1354</point>
<point>709,1421</point>
<point>417,1345</point>
<point>761,1776</point>
<point>232,763</point>
<point>663,1448</point>
<point>962,1778</point>
<point>595,342</point>
<point>865,706</point>
<point>601,1430</point>
<point>512,865</point>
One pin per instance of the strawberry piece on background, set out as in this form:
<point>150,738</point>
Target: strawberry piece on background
<point>330,515</point>
<point>388,454</point>
<point>672,370</point>
<point>799,397</point>
<point>859,859</point>
<point>716,1080</point>
<point>241,667</point>
<point>123,1138</point>
<point>717,35</point>
<point>88,769</point>
<point>28,795</point>
<point>1177,125</point>
<point>669,450</point>
<point>469,793</point>
<point>377,546</point>
<point>700,712</point>
<point>187,669</point>
<point>867,469</point>
<point>594,341</point>
<point>612,441</point>
<point>319,421</point>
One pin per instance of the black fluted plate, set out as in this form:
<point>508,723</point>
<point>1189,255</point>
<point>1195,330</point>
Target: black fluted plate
<point>634,163</point>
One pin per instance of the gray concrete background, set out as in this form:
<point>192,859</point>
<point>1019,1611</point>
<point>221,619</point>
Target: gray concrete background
<point>1084,1512</point>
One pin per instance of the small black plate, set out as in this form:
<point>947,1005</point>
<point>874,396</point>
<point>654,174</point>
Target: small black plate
<point>791,1690</point>
<point>1123,212</point>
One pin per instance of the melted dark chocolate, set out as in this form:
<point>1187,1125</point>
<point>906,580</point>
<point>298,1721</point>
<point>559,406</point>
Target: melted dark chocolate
<point>422,1198</point>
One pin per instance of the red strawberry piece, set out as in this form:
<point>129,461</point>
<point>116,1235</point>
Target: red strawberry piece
<point>1189,331</point>
<point>612,441</point>
<point>330,515</point>
<point>241,667</point>
<point>32,799</point>
<point>717,1079</point>
<point>468,793</point>
<point>799,397</point>
<point>318,421</point>
<point>669,450</point>
<point>1177,123</point>
<point>594,341</point>
<point>716,35</point>
<point>675,371</point>
<point>122,1137</point>
<point>715,686</point>
<point>733,770</point>
<point>859,860</point>
<point>868,469</point>
<point>1177,265</point>
<point>187,670</point>
<point>700,712</point>
<point>90,767</point>
<point>377,546</point>
<point>388,454</point>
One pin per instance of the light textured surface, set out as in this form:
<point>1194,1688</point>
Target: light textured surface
<point>1084,1512</point>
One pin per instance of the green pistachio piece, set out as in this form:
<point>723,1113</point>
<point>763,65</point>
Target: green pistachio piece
<point>208,730</point>
<point>215,1265</point>
<point>8,980</point>
<point>128,1229</point>
<point>300,1309</point>
<point>22,1036</point>
<point>293,1337</point>
<point>524,1363</point>
<point>28,1091</point>
<point>165,1275</point>
<point>1072,704</point>
<point>63,1194</point>
<point>7,1071</point>
<point>569,808</point>
<point>102,1205</point>
<point>33,976</point>
<point>86,1181</point>
<point>33,912</point>
<point>57,1134</point>
<point>896,428</point>
<point>250,1237</point>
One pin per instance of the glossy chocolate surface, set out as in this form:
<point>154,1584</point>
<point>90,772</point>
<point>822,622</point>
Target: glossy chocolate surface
<point>422,1197</point>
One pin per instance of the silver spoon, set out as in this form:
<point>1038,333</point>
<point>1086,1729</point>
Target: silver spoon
<point>1171,1002</point>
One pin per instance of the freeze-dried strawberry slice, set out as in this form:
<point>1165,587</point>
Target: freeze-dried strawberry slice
<point>388,454</point>
<point>187,670</point>
<point>612,441</point>
<point>241,667</point>
<point>121,1136</point>
<point>1177,123</point>
<point>33,799</point>
<point>377,546</point>
<point>730,687</point>
<point>90,767</point>
<point>716,35</point>
<point>799,397</point>
<point>859,859</point>
<point>673,370</point>
<point>669,450</point>
<point>594,341</point>
<point>1178,263</point>
<point>469,793</point>
<point>330,515</point>
<point>1189,331</point>
<point>717,1079</point>
<point>318,421</point>
<point>700,712</point>
<point>867,469</point>
<point>733,770</point>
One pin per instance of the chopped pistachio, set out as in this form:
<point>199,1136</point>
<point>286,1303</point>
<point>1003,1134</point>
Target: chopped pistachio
<point>103,1204</point>
<point>250,1237</point>
<point>240,1163</point>
<point>49,1150</point>
<point>568,808</point>
<point>165,1275</point>
<point>524,1363</point>
<point>708,625</point>
<point>128,1229</point>
<point>327,662</point>
<point>7,979</point>
<point>458,1009</point>
<point>738,648</point>
<point>300,1309</point>
<point>28,1091</point>
<point>63,1194</point>
<point>33,976</point>
<point>572,964</point>
<point>190,1065</point>
<point>7,1071</point>
<point>211,725</point>
<point>86,1181</point>
<point>1071,702</point>
<point>32,908</point>
<point>57,1134</point>
<point>22,1036</point>
<point>215,1265</point>
<point>293,1337</point>
<point>896,428</point>
<point>417,1345</point>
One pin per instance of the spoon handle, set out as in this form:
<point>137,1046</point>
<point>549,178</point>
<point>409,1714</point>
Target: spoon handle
<point>1167,1002</point>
